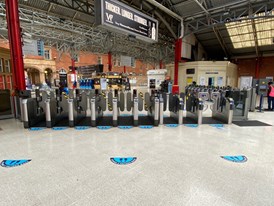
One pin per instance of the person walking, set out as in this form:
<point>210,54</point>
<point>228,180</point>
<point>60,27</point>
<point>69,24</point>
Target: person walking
<point>271,96</point>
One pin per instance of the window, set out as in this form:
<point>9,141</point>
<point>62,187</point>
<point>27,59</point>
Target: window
<point>117,61</point>
<point>7,66</point>
<point>47,54</point>
<point>100,60</point>
<point>1,65</point>
<point>133,62</point>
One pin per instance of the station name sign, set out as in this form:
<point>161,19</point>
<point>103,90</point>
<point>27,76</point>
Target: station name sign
<point>114,15</point>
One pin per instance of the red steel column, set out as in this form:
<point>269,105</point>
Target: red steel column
<point>161,64</point>
<point>12,14</point>
<point>178,50</point>
<point>125,69</point>
<point>109,61</point>
<point>14,78</point>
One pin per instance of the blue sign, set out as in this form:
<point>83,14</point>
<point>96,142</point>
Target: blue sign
<point>146,126</point>
<point>237,159</point>
<point>13,163</point>
<point>104,127</point>
<point>59,128</point>
<point>171,125</point>
<point>191,125</point>
<point>142,115</point>
<point>40,47</point>
<point>36,128</point>
<point>125,127</point>
<point>123,160</point>
<point>82,127</point>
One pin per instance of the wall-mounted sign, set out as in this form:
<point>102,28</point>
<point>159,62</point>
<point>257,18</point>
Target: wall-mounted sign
<point>212,72</point>
<point>114,15</point>
<point>30,47</point>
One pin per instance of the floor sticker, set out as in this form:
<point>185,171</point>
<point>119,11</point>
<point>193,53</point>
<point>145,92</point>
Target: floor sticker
<point>125,127</point>
<point>171,125</point>
<point>217,125</point>
<point>36,128</point>
<point>13,163</point>
<point>104,127</point>
<point>191,125</point>
<point>82,127</point>
<point>237,159</point>
<point>146,126</point>
<point>123,160</point>
<point>59,128</point>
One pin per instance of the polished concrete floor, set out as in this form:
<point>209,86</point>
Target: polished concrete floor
<point>174,166</point>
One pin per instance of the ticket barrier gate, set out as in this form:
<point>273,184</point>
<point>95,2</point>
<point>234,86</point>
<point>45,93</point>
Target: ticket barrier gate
<point>171,108</point>
<point>222,108</point>
<point>148,108</point>
<point>242,100</point>
<point>57,110</point>
<point>34,110</point>
<point>127,110</point>
<point>195,105</point>
<point>79,113</point>
<point>102,113</point>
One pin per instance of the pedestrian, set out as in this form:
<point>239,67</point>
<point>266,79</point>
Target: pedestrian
<point>270,96</point>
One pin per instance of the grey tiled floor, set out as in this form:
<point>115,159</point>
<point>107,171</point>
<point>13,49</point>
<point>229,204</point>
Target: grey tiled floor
<point>175,166</point>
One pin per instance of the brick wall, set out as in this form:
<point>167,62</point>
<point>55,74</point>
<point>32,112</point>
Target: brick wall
<point>247,67</point>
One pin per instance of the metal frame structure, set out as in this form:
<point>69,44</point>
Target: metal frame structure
<point>67,35</point>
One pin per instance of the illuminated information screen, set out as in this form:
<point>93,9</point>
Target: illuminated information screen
<point>114,15</point>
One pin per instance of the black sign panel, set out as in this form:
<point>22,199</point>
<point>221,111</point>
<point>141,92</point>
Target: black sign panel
<point>117,16</point>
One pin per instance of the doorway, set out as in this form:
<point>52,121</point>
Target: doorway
<point>48,76</point>
<point>211,81</point>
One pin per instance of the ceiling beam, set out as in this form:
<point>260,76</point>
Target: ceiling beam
<point>221,40</point>
<point>255,37</point>
<point>202,7</point>
<point>162,19</point>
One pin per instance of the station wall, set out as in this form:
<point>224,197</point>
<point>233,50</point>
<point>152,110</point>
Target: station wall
<point>247,67</point>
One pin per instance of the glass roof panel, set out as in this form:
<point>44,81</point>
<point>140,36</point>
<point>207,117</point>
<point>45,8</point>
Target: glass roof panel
<point>242,36</point>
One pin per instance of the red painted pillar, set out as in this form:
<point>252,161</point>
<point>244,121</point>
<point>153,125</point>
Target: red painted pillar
<point>161,64</point>
<point>257,70</point>
<point>12,14</point>
<point>109,61</point>
<point>73,73</point>
<point>178,51</point>
<point>125,69</point>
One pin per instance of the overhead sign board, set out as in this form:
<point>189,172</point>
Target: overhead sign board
<point>30,47</point>
<point>114,15</point>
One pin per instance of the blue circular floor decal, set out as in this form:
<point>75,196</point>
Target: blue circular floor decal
<point>123,160</point>
<point>237,159</point>
<point>13,163</point>
<point>125,127</point>
<point>36,128</point>
<point>191,125</point>
<point>104,127</point>
<point>82,127</point>
<point>59,128</point>
<point>217,125</point>
<point>146,126</point>
<point>171,125</point>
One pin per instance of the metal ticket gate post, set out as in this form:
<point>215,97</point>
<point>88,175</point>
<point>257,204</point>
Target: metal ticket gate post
<point>34,110</point>
<point>194,108</point>
<point>57,110</point>
<point>222,109</point>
